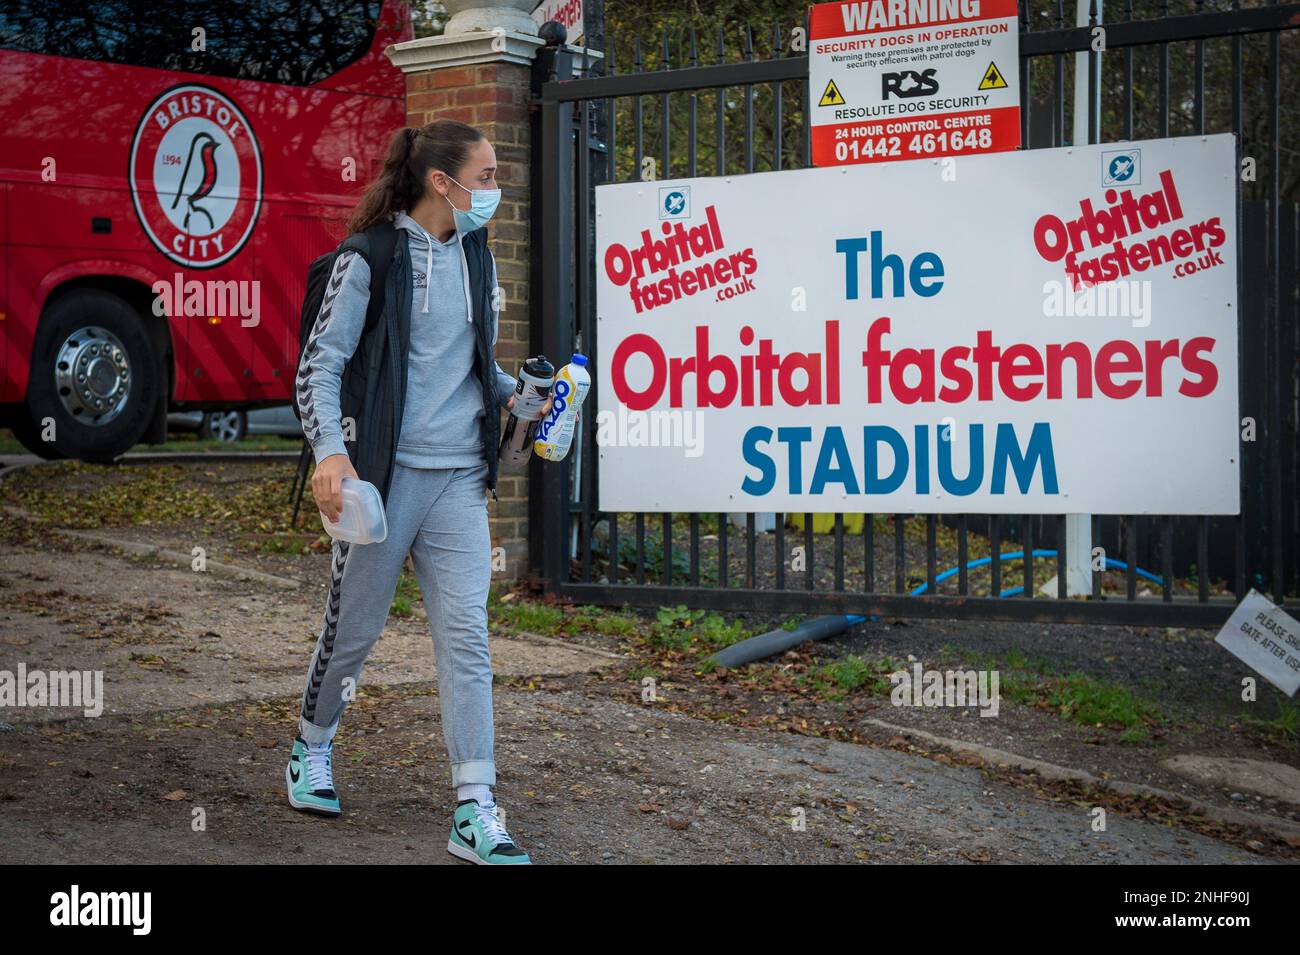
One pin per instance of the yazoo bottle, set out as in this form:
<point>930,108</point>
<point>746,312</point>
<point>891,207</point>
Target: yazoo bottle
<point>555,433</point>
<point>362,519</point>
<point>531,388</point>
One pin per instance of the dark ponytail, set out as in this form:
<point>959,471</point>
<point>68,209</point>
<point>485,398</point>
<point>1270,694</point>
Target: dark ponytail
<point>443,144</point>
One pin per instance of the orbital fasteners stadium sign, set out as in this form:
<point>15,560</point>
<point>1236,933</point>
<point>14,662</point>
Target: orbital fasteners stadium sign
<point>910,79</point>
<point>1053,332</point>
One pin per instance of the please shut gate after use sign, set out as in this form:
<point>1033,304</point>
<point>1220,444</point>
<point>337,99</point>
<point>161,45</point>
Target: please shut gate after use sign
<point>911,79</point>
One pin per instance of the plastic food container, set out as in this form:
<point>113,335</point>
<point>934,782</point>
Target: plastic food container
<point>362,519</point>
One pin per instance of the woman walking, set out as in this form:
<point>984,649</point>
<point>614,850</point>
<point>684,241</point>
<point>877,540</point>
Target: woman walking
<point>420,392</point>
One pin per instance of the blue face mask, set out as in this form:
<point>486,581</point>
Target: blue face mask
<point>483,202</point>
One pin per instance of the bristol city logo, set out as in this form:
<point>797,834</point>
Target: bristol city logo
<point>196,176</point>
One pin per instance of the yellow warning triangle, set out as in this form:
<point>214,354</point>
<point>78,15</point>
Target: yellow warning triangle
<point>993,79</point>
<point>832,95</point>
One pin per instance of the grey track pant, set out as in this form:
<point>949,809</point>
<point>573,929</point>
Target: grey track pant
<point>439,516</point>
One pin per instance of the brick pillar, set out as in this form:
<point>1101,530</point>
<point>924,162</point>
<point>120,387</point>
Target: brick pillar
<point>483,78</point>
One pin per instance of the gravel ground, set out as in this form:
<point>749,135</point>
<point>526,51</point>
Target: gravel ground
<point>203,674</point>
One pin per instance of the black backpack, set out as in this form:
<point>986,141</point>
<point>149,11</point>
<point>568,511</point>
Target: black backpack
<point>376,245</point>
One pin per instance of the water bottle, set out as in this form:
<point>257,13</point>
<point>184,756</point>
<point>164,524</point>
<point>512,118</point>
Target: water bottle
<point>556,430</point>
<point>531,389</point>
<point>362,519</point>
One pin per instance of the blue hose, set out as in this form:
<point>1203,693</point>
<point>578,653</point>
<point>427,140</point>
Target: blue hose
<point>1111,564</point>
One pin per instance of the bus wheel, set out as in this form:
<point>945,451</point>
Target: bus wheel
<point>223,425</point>
<point>94,373</point>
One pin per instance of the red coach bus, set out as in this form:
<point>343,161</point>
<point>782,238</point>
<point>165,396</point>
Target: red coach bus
<point>168,169</point>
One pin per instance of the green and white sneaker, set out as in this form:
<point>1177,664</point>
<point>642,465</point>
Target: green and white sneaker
<point>310,779</point>
<point>477,835</point>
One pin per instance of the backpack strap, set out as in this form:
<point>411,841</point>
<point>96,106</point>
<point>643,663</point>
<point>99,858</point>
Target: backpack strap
<point>382,239</point>
<point>377,244</point>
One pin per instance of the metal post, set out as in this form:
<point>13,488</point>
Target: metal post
<point>1087,126</point>
<point>551,306</point>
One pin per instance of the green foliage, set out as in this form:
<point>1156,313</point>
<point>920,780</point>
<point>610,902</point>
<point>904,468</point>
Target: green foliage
<point>533,616</point>
<point>1286,724</point>
<point>1085,699</point>
<point>404,597</point>
<point>837,679</point>
<point>530,615</point>
<point>679,628</point>
<point>653,555</point>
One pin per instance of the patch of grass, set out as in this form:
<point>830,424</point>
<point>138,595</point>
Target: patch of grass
<point>181,441</point>
<point>534,616</point>
<point>244,498</point>
<point>837,679</point>
<point>1019,687</point>
<point>1286,724</point>
<point>1017,660</point>
<point>408,591</point>
<point>530,615</point>
<point>1077,697</point>
<point>680,628</point>
<point>1085,699</point>
<point>285,544</point>
<point>609,623</point>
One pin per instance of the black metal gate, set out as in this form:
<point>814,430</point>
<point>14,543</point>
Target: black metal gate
<point>1167,69</point>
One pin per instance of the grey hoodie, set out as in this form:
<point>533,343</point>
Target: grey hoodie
<point>440,418</point>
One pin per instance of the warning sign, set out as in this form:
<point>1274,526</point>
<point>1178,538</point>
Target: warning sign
<point>913,80</point>
<point>832,96</point>
<point>993,79</point>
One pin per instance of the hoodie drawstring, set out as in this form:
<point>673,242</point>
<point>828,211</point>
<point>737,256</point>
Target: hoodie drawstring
<point>428,268</point>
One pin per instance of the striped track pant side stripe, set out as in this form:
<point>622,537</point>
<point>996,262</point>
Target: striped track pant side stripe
<point>329,631</point>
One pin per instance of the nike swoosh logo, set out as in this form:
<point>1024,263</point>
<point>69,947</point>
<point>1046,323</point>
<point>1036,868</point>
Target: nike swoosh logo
<point>293,774</point>
<point>468,836</point>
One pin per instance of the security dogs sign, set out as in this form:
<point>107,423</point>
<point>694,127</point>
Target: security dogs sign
<point>907,79</point>
<point>1045,331</point>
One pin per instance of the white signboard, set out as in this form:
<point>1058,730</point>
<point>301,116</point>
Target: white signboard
<point>908,337</point>
<point>890,80</point>
<point>1265,638</point>
<point>568,12</point>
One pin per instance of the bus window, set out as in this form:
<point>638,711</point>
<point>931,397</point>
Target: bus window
<point>274,41</point>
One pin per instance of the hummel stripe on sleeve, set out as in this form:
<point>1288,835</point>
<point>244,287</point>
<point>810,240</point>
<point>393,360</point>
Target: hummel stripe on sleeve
<point>330,344</point>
